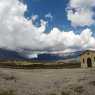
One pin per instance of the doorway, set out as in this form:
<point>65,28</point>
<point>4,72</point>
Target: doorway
<point>89,62</point>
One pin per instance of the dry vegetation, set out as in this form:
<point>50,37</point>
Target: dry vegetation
<point>47,81</point>
<point>9,92</point>
<point>37,65</point>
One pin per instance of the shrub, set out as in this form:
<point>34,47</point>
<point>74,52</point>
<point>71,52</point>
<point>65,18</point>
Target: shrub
<point>53,94</point>
<point>92,83</point>
<point>79,89</point>
<point>10,92</point>
<point>64,93</point>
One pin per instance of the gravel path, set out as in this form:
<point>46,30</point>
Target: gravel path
<point>48,81</point>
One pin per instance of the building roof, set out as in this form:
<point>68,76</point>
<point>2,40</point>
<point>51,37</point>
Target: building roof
<point>87,51</point>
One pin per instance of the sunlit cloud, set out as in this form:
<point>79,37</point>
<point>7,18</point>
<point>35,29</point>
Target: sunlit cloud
<point>16,32</point>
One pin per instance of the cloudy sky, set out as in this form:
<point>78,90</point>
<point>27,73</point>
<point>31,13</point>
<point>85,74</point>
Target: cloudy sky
<point>47,25</point>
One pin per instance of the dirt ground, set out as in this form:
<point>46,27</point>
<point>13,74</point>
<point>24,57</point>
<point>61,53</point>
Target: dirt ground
<point>48,81</point>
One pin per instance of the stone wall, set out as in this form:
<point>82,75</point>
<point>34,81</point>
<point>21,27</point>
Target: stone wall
<point>84,57</point>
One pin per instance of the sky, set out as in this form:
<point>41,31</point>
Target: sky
<point>47,25</point>
<point>55,12</point>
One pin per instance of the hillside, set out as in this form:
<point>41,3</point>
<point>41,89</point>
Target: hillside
<point>71,57</point>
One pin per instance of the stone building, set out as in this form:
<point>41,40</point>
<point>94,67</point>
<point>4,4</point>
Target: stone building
<point>87,58</point>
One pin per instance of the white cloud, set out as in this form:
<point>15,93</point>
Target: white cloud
<point>18,32</point>
<point>83,15</point>
<point>49,15</point>
<point>69,40</point>
<point>34,17</point>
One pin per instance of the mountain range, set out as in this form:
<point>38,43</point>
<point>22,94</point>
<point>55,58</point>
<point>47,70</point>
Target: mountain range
<point>14,55</point>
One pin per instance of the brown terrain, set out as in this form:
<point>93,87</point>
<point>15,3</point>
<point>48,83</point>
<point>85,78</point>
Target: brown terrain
<point>47,81</point>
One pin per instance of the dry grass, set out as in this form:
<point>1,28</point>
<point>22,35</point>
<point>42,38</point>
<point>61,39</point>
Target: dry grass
<point>9,92</point>
<point>92,83</point>
<point>47,81</point>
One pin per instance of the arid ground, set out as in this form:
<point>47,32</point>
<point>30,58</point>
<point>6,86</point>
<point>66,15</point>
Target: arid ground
<point>47,81</point>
